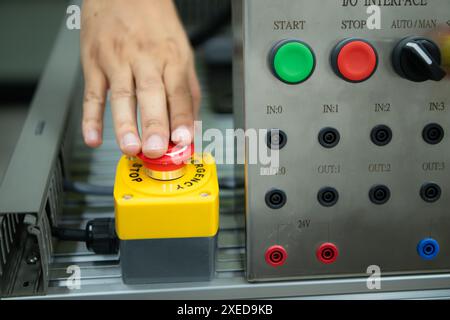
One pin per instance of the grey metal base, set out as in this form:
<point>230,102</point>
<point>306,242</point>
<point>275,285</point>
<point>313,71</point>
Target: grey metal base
<point>167,260</point>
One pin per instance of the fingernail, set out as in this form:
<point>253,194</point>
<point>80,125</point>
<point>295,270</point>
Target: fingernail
<point>92,136</point>
<point>130,140</point>
<point>155,142</point>
<point>130,144</point>
<point>181,135</point>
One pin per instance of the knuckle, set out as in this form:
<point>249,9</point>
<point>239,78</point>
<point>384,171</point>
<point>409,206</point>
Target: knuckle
<point>172,49</point>
<point>89,121</point>
<point>93,52</point>
<point>103,46</point>
<point>121,92</point>
<point>122,25</point>
<point>179,91</point>
<point>118,44</point>
<point>171,44</point>
<point>91,96</point>
<point>89,51</point>
<point>178,117</point>
<point>124,124</point>
<point>149,124</point>
<point>150,83</point>
<point>145,45</point>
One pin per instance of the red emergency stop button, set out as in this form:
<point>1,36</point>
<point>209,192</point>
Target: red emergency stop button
<point>354,60</point>
<point>171,165</point>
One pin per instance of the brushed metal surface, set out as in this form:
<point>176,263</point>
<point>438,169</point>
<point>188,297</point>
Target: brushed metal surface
<point>366,234</point>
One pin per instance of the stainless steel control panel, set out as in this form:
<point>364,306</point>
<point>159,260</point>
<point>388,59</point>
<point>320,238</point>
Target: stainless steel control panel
<point>359,98</point>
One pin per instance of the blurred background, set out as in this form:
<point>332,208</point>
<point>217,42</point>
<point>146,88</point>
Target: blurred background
<point>28,29</point>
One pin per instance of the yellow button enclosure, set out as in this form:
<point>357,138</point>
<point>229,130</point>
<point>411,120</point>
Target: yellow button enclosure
<point>187,207</point>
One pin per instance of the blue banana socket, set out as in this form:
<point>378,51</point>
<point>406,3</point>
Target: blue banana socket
<point>428,249</point>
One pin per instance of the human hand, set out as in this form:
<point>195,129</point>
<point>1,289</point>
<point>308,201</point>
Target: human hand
<point>139,51</point>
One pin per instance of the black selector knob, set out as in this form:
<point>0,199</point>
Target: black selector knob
<point>418,59</point>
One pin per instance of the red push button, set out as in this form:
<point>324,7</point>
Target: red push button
<point>354,60</point>
<point>171,166</point>
<point>175,158</point>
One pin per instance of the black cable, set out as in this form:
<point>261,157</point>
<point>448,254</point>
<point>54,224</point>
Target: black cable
<point>99,235</point>
<point>66,234</point>
<point>211,27</point>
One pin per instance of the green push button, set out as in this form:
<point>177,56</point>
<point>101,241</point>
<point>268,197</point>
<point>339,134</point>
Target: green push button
<point>292,61</point>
